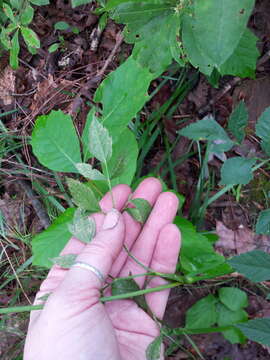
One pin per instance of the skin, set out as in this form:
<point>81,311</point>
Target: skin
<point>73,323</point>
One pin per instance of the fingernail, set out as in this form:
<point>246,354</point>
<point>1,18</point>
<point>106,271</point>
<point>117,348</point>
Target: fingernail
<point>111,219</point>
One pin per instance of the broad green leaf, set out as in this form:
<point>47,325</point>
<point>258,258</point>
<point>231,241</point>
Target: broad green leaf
<point>122,94</point>
<point>197,254</point>
<point>233,298</point>
<point>82,195</point>
<point>40,2</point>
<point>123,286</point>
<point>263,222</point>
<point>156,52</point>
<point>227,317</point>
<point>30,37</point>
<point>15,3</point>
<point>195,52</point>
<point>61,25</point>
<point>141,211</point>
<point>49,243</point>
<point>111,4</point>
<point>52,48</point>
<point>14,51</point>
<point>100,142</point>
<point>238,121</point>
<point>244,58</point>
<point>137,14</point>
<point>65,261</point>
<point>55,142</point>
<point>83,227</point>
<point>123,163</point>
<point>202,314</point>
<point>263,130</point>
<point>8,12</point>
<point>257,330</point>
<point>80,2</point>
<point>255,265</point>
<point>153,351</point>
<point>88,172</point>
<point>27,15</point>
<point>219,26</point>
<point>210,130</point>
<point>237,170</point>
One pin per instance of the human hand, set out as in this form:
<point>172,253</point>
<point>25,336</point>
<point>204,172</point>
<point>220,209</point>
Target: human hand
<point>74,324</point>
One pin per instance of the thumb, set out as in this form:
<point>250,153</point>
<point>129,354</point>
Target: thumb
<point>100,253</point>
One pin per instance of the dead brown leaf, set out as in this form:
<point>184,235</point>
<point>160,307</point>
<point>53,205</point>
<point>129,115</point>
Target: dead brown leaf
<point>7,85</point>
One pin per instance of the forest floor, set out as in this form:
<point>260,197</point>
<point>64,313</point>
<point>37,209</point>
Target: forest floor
<point>66,79</point>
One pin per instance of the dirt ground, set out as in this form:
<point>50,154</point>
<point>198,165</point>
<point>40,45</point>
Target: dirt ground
<point>67,80</point>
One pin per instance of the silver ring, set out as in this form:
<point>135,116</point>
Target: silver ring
<point>91,268</point>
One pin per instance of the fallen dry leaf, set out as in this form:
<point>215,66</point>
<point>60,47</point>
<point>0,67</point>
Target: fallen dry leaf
<point>7,85</point>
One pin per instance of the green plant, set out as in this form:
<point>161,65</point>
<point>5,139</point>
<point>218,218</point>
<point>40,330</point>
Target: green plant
<point>16,16</point>
<point>186,32</point>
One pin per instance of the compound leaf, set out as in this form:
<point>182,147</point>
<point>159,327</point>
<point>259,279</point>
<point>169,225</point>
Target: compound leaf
<point>50,145</point>
<point>255,265</point>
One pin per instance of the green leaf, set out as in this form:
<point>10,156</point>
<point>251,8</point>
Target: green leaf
<point>65,261</point>
<point>227,317</point>
<point>51,242</point>
<point>156,52</point>
<point>88,172</point>
<point>197,254</point>
<point>219,26</point>
<point>263,222</point>
<point>100,142</point>
<point>8,12</point>
<point>255,265</point>
<point>153,351</point>
<point>123,163</point>
<point>83,227</point>
<point>233,298</point>
<point>237,170</point>
<point>141,211</point>
<point>14,51</point>
<point>55,142</point>
<point>82,195</point>
<point>61,25</point>
<point>238,121</point>
<point>121,286</point>
<point>30,37</point>
<point>52,48</point>
<point>40,2</point>
<point>210,130</point>
<point>257,330</point>
<point>195,52</point>
<point>202,314</point>
<point>243,61</point>
<point>27,15</point>
<point>263,130</point>
<point>4,37</point>
<point>80,2</point>
<point>122,94</point>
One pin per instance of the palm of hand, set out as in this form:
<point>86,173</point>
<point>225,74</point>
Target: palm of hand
<point>118,329</point>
